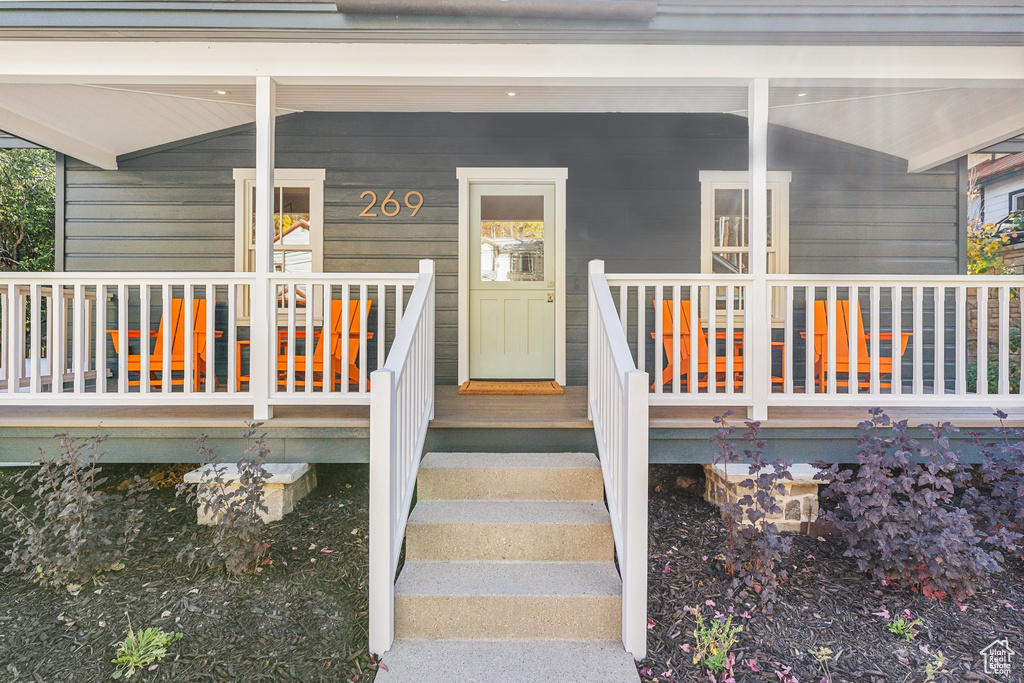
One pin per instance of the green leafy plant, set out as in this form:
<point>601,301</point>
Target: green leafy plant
<point>67,528</point>
<point>141,650</point>
<point>935,668</point>
<point>1012,365</point>
<point>237,509</point>
<point>712,640</point>
<point>905,626</point>
<point>27,191</point>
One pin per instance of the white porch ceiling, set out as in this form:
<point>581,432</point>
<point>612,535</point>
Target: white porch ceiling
<point>924,123</point>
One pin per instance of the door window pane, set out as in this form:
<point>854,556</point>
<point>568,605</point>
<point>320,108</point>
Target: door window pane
<point>511,238</point>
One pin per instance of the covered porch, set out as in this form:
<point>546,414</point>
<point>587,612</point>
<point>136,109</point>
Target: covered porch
<point>867,306</point>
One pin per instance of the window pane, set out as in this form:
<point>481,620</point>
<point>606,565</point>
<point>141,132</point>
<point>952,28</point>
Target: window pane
<point>511,238</point>
<point>293,261</point>
<point>728,263</point>
<point>291,216</point>
<point>730,218</point>
<point>731,214</point>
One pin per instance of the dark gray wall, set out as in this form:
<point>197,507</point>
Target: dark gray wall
<point>633,199</point>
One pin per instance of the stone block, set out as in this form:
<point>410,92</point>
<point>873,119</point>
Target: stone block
<point>288,483</point>
<point>799,501</point>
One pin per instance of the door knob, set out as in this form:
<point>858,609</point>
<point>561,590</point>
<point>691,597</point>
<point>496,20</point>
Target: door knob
<point>551,298</point>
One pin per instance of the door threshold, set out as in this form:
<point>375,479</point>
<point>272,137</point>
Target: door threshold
<point>511,388</point>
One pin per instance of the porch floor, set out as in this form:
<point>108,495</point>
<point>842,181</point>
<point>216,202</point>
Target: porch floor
<point>455,411</point>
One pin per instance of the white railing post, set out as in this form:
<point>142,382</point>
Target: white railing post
<point>401,407</point>
<point>593,268</point>
<point>382,448</point>
<point>618,403</point>
<point>758,344</point>
<point>634,568</point>
<point>263,306</point>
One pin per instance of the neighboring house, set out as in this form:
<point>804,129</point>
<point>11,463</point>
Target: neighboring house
<point>579,191</point>
<point>1001,188</point>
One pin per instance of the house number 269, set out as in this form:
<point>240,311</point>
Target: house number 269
<point>389,206</point>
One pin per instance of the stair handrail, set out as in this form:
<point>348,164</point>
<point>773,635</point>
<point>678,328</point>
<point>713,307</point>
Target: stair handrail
<point>401,408</point>
<point>617,403</point>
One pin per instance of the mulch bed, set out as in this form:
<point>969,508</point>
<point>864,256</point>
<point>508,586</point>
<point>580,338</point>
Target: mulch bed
<point>826,603</point>
<point>303,618</point>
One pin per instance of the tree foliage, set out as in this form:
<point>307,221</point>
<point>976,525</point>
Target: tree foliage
<point>27,191</point>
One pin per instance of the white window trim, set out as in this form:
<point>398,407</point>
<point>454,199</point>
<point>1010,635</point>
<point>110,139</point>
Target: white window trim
<point>1014,196</point>
<point>313,178</point>
<point>778,184</point>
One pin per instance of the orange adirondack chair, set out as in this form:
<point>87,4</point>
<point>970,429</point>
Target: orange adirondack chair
<point>354,325</point>
<point>702,351</point>
<point>177,341</point>
<point>843,347</point>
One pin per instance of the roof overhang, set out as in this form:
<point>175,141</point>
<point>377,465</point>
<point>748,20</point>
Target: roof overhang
<point>97,101</point>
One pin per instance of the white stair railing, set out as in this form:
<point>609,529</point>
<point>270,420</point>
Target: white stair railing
<point>401,407</point>
<point>617,402</point>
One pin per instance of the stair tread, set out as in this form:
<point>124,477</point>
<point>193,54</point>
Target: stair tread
<point>448,511</point>
<point>510,460</point>
<point>514,661</point>
<point>543,578</point>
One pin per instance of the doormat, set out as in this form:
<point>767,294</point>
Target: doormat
<point>510,388</point>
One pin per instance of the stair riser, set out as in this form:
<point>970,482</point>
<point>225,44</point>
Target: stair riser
<point>508,617</point>
<point>509,542</point>
<point>519,483</point>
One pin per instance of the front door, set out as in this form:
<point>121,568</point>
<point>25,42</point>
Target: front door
<point>512,281</point>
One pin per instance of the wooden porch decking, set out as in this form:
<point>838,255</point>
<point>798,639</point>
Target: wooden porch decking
<point>455,411</point>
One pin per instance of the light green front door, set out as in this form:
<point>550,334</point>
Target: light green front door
<point>512,281</point>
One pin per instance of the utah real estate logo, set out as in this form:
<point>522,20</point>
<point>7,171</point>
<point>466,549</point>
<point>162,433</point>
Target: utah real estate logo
<point>997,657</point>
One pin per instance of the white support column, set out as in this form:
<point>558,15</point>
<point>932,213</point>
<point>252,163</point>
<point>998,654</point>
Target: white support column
<point>263,309</point>
<point>758,345</point>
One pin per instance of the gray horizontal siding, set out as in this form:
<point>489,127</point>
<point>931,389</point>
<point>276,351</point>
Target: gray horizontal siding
<point>633,199</point>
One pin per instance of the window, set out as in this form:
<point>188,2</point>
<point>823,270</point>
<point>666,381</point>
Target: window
<point>725,230</point>
<point>298,222</point>
<point>1016,201</point>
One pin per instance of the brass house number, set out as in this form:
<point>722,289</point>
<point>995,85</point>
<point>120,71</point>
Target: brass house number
<point>389,206</point>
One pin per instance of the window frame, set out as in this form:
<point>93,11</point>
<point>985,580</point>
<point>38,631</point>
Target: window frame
<point>778,186</point>
<point>1014,197</point>
<point>245,180</point>
<point>312,178</point>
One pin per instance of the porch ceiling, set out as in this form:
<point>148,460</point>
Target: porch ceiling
<point>925,123</point>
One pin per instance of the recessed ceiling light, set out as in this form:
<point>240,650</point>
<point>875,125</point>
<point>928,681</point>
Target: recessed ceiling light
<point>511,94</point>
<point>223,92</point>
<point>801,94</point>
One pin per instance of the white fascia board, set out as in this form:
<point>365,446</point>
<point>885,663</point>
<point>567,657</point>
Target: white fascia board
<point>972,141</point>
<point>24,127</point>
<point>467,64</point>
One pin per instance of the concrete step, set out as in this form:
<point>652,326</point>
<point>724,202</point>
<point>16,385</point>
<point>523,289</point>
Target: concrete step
<point>444,530</point>
<point>509,600</point>
<point>510,476</point>
<point>476,661</point>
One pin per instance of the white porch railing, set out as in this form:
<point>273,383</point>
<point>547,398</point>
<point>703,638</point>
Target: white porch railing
<point>906,340</point>
<point>617,402</point>
<point>364,310</point>
<point>184,338</point>
<point>115,339</point>
<point>401,407</point>
<point>898,340</point>
<point>660,311</point>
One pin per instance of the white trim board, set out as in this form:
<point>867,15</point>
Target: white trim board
<point>555,176</point>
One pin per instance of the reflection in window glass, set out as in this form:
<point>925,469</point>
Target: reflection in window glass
<point>511,238</point>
